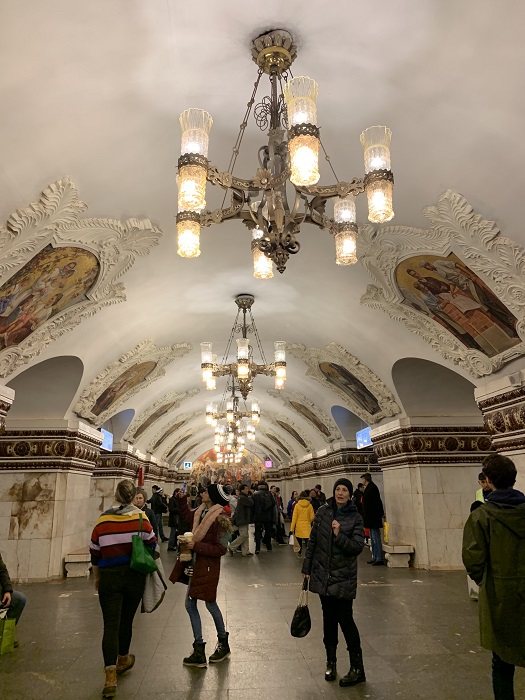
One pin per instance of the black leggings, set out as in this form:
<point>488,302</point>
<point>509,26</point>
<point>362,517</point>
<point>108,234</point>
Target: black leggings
<point>502,679</point>
<point>337,611</point>
<point>300,540</point>
<point>120,591</point>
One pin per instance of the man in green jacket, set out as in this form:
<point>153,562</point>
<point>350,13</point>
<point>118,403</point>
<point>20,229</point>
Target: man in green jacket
<point>494,556</point>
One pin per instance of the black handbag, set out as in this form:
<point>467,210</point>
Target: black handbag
<point>301,623</point>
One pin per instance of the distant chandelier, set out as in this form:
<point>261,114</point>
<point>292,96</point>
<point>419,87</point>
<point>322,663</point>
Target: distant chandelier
<point>244,369</point>
<point>262,203</point>
<point>232,428</point>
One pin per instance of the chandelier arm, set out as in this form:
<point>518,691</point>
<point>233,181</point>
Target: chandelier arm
<point>340,189</point>
<point>217,216</point>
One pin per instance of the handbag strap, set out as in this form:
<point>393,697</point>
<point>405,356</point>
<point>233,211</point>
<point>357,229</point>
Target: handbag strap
<point>140,524</point>
<point>303,595</point>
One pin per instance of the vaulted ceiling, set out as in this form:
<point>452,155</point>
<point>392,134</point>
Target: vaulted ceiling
<point>93,91</point>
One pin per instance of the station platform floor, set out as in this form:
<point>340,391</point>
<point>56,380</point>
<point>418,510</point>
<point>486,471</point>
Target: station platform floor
<point>419,633</point>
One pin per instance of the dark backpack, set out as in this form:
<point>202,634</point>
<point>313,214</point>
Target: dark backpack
<point>267,502</point>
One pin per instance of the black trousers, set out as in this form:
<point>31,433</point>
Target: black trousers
<point>502,679</point>
<point>266,538</point>
<point>120,591</point>
<point>339,612</point>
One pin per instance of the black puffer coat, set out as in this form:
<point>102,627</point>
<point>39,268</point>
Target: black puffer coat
<point>331,561</point>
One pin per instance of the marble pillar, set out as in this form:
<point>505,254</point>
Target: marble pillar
<point>502,403</point>
<point>45,475</point>
<point>430,473</point>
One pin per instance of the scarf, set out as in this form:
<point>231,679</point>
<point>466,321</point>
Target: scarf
<point>199,528</point>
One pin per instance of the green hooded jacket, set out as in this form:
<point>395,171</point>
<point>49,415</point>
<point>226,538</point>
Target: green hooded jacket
<point>494,556</point>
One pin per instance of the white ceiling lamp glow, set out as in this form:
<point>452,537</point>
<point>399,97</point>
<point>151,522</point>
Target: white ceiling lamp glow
<point>284,193</point>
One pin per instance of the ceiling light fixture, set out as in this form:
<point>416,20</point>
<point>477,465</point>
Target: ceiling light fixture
<point>288,164</point>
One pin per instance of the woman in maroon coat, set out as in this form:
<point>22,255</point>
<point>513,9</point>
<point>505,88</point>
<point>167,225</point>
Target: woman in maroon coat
<point>211,529</point>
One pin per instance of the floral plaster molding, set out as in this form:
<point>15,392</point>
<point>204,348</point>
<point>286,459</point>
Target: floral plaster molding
<point>454,228</point>
<point>54,220</point>
<point>175,396</point>
<point>334,352</point>
<point>146,351</point>
<point>268,432</point>
<point>288,396</point>
<point>180,418</point>
<point>282,431</point>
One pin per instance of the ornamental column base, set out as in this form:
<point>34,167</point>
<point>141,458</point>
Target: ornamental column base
<point>430,476</point>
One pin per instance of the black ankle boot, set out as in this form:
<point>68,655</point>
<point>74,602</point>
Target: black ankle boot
<point>198,658</point>
<point>331,664</point>
<point>356,674</point>
<point>222,650</point>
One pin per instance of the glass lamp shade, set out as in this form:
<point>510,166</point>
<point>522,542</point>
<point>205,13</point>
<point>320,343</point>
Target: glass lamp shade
<point>279,347</point>
<point>301,94</point>
<point>207,353</point>
<point>379,195</point>
<point>188,239</point>
<point>211,384</point>
<point>195,125</point>
<point>280,371</point>
<point>207,374</point>
<point>304,157</point>
<point>243,348</point>
<point>344,210</point>
<point>243,369</point>
<point>262,265</point>
<point>376,146</point>
<point>279,382</point>
<point>191,182</point>
<point>345,247</point>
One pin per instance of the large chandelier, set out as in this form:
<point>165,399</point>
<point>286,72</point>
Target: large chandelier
<point>288,165</point>
<point>244,369</point>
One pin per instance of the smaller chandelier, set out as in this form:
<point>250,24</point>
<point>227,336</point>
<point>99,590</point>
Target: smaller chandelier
<point>244,369</point>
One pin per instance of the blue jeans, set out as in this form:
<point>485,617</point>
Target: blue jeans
<point>160,527</point>
<point>18,602</point>
<point>172,543</point>
<point>377,547</point>
<point>195,618</point>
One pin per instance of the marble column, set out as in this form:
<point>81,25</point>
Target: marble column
<point>45,475</point>
<point>502,404</point>
<point>430,473</point>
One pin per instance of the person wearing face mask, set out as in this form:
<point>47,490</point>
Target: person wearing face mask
<point>330,565</point>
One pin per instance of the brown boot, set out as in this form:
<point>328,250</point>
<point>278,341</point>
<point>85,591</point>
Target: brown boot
<point>110,686</point>
<point>124,663</point>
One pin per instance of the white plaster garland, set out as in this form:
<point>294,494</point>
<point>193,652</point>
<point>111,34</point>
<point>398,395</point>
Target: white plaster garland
<point>146,351</point>
<point>176,396</point>
<point>294,453</point>
<point>274,418</point>
<point>454,228</point>
<point>288,396</point>
<point>174,441</point>
<point>184,418</point>
<point>54,220</point>
<point>335,353</point>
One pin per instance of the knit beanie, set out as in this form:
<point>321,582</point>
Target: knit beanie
<point>344,482</point>
<point>218,495</point>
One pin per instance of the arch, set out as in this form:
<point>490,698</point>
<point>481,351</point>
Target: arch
<point>46,389</point>
<point>347,422</point>
<point>119,423</point>
<point>426,388</point>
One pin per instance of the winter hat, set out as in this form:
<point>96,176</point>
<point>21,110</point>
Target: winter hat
<point>344,482</point>
<point>218,495</point>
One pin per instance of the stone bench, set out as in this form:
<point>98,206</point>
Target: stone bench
<point>398,555</point>
<point>78,563</point>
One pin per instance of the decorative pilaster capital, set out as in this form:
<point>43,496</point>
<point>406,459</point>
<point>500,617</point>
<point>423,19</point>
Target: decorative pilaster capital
<point>502,404</point>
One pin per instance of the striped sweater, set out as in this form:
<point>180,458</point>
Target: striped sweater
<point>111,537</point>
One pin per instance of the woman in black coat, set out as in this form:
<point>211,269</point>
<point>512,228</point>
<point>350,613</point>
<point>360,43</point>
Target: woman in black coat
<point>331,565</point>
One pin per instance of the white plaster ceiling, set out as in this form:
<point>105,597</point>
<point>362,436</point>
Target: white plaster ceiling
<point>93,90</point>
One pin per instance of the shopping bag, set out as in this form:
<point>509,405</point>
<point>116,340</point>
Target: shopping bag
<point>296,545</point>
<point>291,539</point>
<point>141,559</point>
<point>7,633</point>
<point>154,588</point>
<point>386,530</point>
<point>301,623</point>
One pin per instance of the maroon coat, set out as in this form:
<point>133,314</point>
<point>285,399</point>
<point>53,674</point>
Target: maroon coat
<point>207,565</point>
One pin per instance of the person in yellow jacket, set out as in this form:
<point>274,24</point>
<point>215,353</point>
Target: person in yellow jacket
<point>302,518</point>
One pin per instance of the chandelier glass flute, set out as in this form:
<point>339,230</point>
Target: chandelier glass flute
<point>243,369</point>
<point>284,192</point>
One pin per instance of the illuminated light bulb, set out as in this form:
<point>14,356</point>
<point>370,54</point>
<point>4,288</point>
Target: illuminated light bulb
<point>262,265</point>
<point>344,210</point>
<point>280,372</point>
<point>379,195</point>
<point>345,248</point>
<point>279,347</point>
<point>300,94</point>
<point>304,157</point>
<point>195,126</point>
<point>191,182</point>
<point>243,348</point>
<point>207,374</point>
<point>206,353</point>
<point>243,369</point>
<point>279,382</point>
<point>378,179</point>
<point>211,384</point>
<point>188,239</point>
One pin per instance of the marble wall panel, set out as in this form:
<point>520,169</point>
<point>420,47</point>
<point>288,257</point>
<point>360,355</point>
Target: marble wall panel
<point>32,520</point>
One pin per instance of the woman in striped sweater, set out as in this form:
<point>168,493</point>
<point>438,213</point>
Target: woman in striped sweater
<point>119,587</point>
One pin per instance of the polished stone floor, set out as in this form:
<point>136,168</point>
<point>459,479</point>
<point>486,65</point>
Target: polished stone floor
<point>418,629</point>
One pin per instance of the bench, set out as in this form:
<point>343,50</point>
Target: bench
<point>398,555</point>
<point>78,563</point>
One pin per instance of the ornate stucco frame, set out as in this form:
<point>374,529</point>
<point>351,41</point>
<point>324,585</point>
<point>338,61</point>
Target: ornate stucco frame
<point>454,228</point>
<point>145,351</point>
<point>273,418</point>
<point>181,417</point>
<point>176,396</point>
<point>54,220</point>
<point>287,396</point>
<point>334,352</point>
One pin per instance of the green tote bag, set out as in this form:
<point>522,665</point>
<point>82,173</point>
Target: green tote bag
<point>7,634</point>
<point>141,559</point>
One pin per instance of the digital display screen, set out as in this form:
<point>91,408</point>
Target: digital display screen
<point>363,438</point>
<point>268,463</point>
<point>107,440</point>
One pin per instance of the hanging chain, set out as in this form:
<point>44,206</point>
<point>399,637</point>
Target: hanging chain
<point>328,160</point>
<point>242,129</point>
